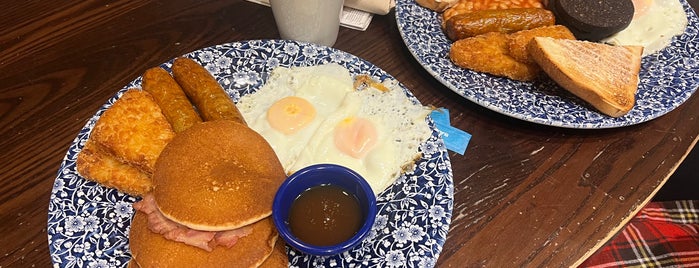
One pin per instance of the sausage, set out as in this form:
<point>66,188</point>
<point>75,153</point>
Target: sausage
<point>207,94</point>
<point>177,109</point>
<point>497,20</point>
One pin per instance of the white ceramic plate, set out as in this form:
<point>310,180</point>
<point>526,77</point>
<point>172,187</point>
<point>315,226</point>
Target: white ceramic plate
<point>88,224</point>
<point>667,78</point>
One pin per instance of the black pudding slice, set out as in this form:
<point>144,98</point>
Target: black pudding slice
<point>593,20</point>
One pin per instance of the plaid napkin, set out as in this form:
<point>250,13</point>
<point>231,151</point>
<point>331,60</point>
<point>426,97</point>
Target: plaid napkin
<point>663,234</point>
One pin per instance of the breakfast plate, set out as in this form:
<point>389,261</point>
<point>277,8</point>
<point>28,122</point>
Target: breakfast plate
<point>88,224</point>
<point>667,78</point>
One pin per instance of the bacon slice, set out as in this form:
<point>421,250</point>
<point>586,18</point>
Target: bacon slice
<point>171,230</point>
<point>230,237</point>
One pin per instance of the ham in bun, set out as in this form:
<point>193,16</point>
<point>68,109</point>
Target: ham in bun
<point>214,184</point>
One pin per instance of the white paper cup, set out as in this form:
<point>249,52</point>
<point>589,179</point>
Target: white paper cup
<point>315,21</point>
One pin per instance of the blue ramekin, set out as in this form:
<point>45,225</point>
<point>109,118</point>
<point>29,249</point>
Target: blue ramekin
<point>323,174</point>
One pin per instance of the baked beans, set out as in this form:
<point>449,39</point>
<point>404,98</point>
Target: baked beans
<point>465,6</point>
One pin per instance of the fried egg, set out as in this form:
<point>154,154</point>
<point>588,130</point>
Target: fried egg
<point>288,109</point>
<point>654,24</point>
<point>313,115</point>
<point>375,133</point>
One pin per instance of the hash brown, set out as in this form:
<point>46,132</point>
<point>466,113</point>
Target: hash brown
<point>134,130</point>
<point>517,42</point>
<point>488,53</point>
<point>94,164</point>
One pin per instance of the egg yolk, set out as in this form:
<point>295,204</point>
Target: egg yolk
<point>641,7</point>
<point>290,114</point>
<point>355,137</point>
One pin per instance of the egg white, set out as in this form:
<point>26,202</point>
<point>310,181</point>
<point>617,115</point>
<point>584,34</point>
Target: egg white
<point>654,25</point>
<point>324,86</point>
<point>399,123</point>
<point>400,126</point>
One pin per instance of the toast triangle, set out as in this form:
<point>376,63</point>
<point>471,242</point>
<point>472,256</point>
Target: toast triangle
<point>603,75</point>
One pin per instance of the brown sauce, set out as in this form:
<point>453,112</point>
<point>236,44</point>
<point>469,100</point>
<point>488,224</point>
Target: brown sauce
<point>325,215</point>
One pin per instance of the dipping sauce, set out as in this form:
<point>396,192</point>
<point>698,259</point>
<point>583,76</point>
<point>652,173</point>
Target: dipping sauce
<point>325,215</point>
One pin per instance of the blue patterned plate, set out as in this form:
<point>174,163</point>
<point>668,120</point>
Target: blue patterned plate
<point>88,224</point>
<point>667,78</point>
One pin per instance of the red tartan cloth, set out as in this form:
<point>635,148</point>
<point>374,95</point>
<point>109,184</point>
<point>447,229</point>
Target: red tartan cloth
<point>663,234</point>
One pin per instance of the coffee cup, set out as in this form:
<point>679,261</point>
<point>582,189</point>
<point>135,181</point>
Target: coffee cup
<point>314,21</point>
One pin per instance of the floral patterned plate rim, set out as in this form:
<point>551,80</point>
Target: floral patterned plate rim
<point>667,78</point>
<point>88,224</point>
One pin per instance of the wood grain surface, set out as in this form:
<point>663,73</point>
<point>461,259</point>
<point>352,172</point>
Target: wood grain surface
<point>525,194</point>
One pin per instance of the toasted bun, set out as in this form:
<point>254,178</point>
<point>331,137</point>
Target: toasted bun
<point>603,75</point>
<point>217,175</point>
<point>149,249</point>
<point>278,258</point>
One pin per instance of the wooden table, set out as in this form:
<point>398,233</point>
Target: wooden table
<point>525,194</point>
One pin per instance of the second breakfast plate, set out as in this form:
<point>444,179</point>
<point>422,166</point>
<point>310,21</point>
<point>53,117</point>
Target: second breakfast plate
<point>88,224</point>
<point>667,78</point>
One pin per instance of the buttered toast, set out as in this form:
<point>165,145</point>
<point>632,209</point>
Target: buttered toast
<point>605,76</point>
